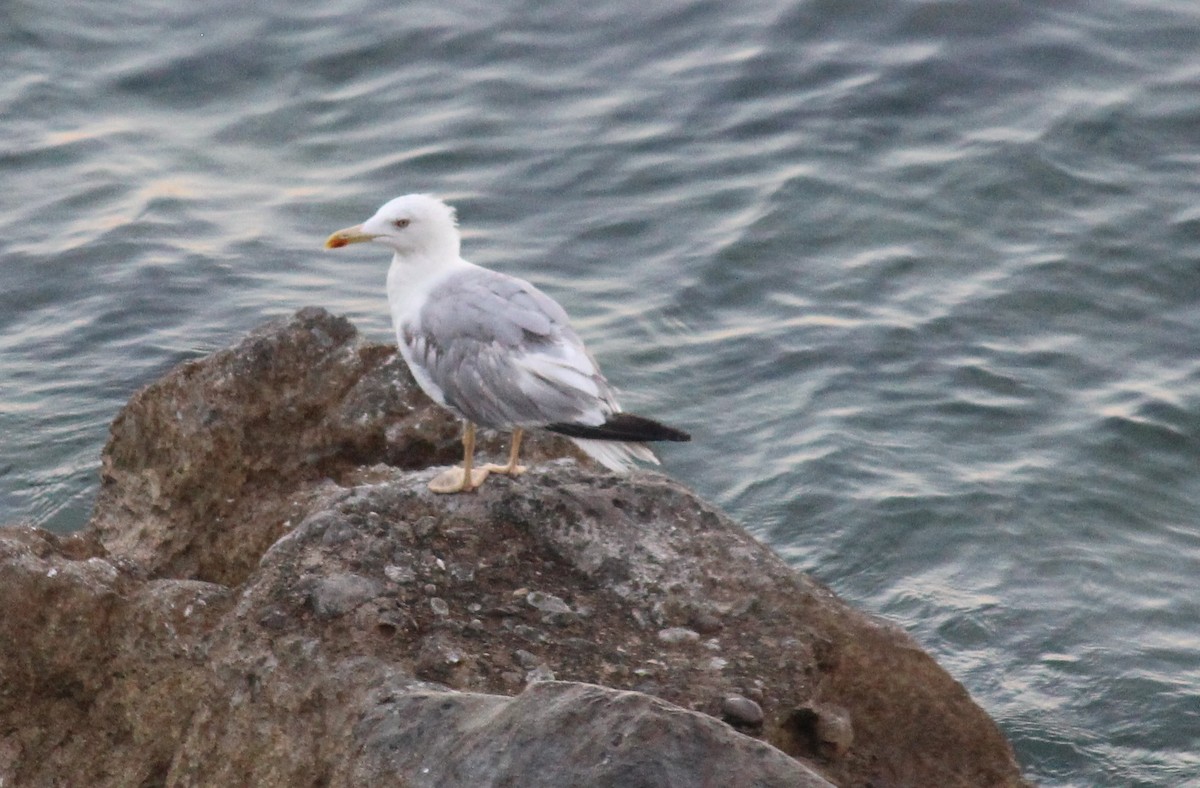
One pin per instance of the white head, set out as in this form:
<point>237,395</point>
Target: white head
<point>415,225</point>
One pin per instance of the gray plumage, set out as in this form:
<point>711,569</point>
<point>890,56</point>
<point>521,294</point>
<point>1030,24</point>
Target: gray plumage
<point>503,354</point>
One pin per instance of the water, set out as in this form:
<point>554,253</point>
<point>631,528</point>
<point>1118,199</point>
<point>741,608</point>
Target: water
<point>922,278</point>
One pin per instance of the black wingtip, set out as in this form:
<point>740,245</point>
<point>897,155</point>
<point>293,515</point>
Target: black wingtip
<point>623,427</point>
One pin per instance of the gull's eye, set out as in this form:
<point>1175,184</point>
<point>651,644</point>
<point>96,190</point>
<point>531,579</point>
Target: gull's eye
<point>400,224</point>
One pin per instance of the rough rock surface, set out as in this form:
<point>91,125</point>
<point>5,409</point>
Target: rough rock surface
<point>202,466</point>
<point>268,595</point>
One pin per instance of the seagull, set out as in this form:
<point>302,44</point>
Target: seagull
<point>493,349</point>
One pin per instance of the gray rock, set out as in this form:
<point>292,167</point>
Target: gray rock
<point>554,610</point>
<point>338,594</point>
<point>678,635</point>
<point>540,673</point>
<point>400,574</point>
<point>739,710</point>
<point>193,636</point>
<point>525,659</point>
<point>547,603</point>
<point>439,659</point>
<point>824,729</point>
<point>472,741</point>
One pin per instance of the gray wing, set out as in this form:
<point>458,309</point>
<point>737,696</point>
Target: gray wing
<point>504,355</point>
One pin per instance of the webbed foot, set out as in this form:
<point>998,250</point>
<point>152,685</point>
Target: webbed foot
<point>455,480</point>
<point>507,470</point>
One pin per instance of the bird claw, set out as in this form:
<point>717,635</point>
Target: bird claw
<point>454,480</point>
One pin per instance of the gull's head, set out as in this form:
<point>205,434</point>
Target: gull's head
<point>413,225</point>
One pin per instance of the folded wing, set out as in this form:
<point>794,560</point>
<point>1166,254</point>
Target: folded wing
<point>502,354</point>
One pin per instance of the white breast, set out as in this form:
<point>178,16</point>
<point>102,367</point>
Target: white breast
<point>409,283</point>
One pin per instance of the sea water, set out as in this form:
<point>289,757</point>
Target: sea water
<point>921,278</point>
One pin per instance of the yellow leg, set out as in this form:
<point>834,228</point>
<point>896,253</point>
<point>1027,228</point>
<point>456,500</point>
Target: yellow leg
<point>462,479</point>
<point>514,454</point>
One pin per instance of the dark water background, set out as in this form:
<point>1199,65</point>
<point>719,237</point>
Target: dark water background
<point>923,279</point>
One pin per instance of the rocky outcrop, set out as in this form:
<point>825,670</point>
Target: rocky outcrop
<point>269,595</point>
<point>207,467</point>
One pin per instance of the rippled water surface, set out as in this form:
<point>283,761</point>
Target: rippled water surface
<point>922,278</point>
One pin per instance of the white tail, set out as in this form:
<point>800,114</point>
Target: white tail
<point>615,455</point>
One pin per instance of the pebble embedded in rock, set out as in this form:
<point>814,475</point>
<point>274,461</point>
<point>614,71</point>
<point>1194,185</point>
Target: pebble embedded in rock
<point>525,659</point>
<point>529,633</point>
<point>399,574</point>
<point>547,603</point>
<point>424,525</point>
<point>338,594</point>
<point>554,610</point>
<point>826,728</point>
<point>705,623</point>
<point>835,731</point>
<point>540,673</point>
<point>337,533</point>
<point>439,605</point>
<point>274,618</point>
<point>740,711</point>
<point>678,635</point>
<point>438,660</point>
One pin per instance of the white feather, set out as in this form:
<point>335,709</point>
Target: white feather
<point>555,371</point>
<point>616,456</point>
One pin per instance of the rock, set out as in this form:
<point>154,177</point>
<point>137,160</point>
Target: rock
<point>822,730</point>
<point>339,594</point>
<point>716,664</point>
<point>400,574</point>
<point>554,610</point>
<point>678,635</point>
<point>541,673</point>
<point>94,655</point>
<point>689,749</point>
<point>525,659</point>
<point>268,594</point>
<point>741,712</point>
<point>547,603</point>
<point>705,622</point>
<point>439,659</point>
<point>208,466</point>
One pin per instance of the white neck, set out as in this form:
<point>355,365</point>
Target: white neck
<point>411,277</point>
